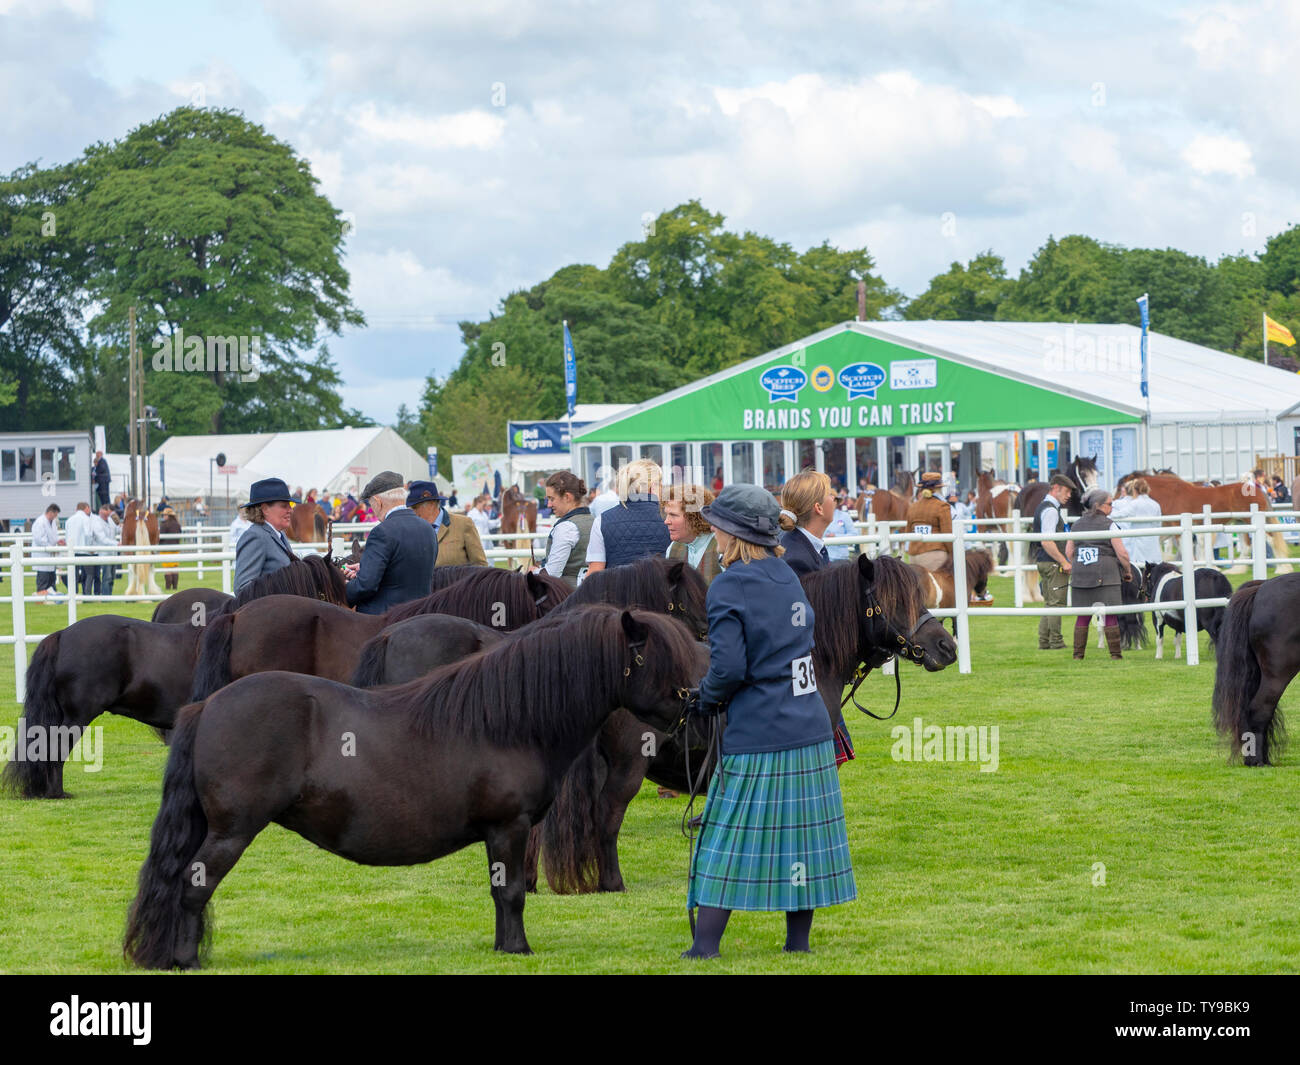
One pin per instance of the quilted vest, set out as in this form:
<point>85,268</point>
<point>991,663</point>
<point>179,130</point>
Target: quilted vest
<point>633,531</point>
<point>1039,554</point>
<point>581,517</point>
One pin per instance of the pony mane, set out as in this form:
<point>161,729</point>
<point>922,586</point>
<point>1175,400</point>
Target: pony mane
<point>834,594</point>
<point>642,583</point>
<point>443,576</point>
<point>522,691</point>
<point>487,596</point>
<point>312,577</point>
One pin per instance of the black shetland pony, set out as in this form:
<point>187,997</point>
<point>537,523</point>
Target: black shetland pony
<point>139,669</point>
<point>1258,655</point>
<point>580,836</point>
<point>419,645</point>
<point>1164,584</point>
<point>179,607</point>
<point>473,752</point>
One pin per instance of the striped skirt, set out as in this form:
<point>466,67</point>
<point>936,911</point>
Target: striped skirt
<point>773,834</point>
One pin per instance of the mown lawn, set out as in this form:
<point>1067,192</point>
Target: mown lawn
<point>1101,764</point>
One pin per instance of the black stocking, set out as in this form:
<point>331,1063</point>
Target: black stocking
<point>798,923</point>
<point>710,923</point>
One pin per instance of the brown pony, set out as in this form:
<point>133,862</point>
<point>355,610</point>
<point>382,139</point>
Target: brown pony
<point>887,506</point>
<point>938,586</point>
<point>139,528</point>
<point>1177,496</point>
<point>308,524</point>
<point>995,499</point>
<point>518,514</point>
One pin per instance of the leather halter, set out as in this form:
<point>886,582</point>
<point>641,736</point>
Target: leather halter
<point>907,648</point>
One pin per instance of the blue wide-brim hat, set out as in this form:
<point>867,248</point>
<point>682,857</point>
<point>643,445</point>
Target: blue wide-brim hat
<point>746,511</point>
<point>271,490</point>
<point>424,492</point>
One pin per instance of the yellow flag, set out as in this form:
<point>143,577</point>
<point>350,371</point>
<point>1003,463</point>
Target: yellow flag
<point>1277,331</point>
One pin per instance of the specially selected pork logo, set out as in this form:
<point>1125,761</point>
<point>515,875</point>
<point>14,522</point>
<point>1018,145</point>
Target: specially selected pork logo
<point>861,379</point>
<point>783,383</point>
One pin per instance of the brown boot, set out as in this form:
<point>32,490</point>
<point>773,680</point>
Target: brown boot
<point>1080,642</point>
<point>1112,640</point>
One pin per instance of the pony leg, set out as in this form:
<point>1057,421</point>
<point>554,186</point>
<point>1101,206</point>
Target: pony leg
<point>1178,645</point>
<point>1256,750</point>
<point>506,845</point>
<point>1160,640</point>
<point>531,855</point>
<point>215,858</point>
<point>611,807</point>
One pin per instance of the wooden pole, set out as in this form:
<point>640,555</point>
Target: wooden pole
<point>130,418</point>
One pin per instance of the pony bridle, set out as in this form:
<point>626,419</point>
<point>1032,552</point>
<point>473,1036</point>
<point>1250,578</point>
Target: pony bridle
<point>907,648</point>
<point>638,660</point>
<point>679,609</point>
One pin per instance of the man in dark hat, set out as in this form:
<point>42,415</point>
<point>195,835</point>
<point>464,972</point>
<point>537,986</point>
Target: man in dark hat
<point>929,516</point>
<point>458,541</point>
<point>397,564</point>
<point>263,547</point>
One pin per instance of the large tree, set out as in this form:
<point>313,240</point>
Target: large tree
<point>970,293</point>
<point>213,229</point>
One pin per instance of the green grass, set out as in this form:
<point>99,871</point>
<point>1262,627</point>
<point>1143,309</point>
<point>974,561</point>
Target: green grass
<point>957,870</point>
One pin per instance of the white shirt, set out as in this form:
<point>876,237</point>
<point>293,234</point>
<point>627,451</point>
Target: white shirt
<point>103,531</point>
<point>1051,518</point>
<point>564,538</point>
<point>817,544</point>
<point>596,541</point>
<point>45,533</point>
<point>78,529</point>
<point>841,525</point>
<point>481,521</point>
<point>237,528</point>
<point>603,502</point>
<point>1141,549</point>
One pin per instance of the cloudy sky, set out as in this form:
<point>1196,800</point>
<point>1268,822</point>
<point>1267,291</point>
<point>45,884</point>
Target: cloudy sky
<point>479,145</point>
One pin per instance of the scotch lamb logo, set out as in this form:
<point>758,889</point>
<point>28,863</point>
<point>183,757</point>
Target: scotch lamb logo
<point>783,382</point>
<point>861,379</point>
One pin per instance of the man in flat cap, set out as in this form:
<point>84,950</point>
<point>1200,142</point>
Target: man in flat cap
<point>397,564</point>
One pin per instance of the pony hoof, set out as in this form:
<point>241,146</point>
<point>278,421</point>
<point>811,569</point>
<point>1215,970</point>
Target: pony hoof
<point>694,955</point>
<point>525,949</point>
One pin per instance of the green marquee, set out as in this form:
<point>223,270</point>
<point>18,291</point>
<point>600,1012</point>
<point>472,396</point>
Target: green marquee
<point>844,383</point>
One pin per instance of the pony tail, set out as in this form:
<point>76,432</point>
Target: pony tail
<point>212,672</point>
<point>372,663</point>
<point>30,778</point>
<point>157,915</point>
<point>570,842</point>
<point>1237,675</point>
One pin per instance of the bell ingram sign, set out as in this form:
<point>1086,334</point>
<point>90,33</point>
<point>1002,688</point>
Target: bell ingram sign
<point>540,438</point>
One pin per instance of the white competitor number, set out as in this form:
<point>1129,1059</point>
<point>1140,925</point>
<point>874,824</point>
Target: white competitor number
<point>805,680</point>
<point>921,530</point>
<point>1088,555</point>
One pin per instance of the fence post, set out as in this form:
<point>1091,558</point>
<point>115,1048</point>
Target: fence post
<point>226,547</point>
<point>1189,589</point>
<point>18,591</point>
<point>962,597</point>
<point>1258,544</point>
<point>1017,559</point>
<point>72,588</point>
<point>198,544</point>
<point>1208,538</point>
<point>871,550</point>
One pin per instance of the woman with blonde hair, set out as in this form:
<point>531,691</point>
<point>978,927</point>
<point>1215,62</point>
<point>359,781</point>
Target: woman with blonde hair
<point>634,529</point>
<point>807,508</point>
<point>774,803</point>
<point>692,538</point>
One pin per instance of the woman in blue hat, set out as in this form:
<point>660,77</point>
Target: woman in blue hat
<point>772,834</point>
<point>263,547</point>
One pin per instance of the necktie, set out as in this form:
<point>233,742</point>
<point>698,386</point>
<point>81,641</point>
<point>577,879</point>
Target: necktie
<point>826,555</point>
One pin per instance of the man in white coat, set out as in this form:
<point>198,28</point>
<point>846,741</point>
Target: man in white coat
<point>104,533</point>
<point>78,534</point>
<point>45,534</point>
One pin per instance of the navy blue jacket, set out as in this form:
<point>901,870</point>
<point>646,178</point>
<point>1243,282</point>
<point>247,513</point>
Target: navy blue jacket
<point>755,637</point>
<point>633,531</point>
<point>800,555</point>
<point>397,564</point>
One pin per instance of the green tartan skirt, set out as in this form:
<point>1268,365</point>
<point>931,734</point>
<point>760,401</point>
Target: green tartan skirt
<point>773,834</point>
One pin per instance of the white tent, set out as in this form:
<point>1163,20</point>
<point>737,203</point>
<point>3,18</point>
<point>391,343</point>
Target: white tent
<point>325,459</point>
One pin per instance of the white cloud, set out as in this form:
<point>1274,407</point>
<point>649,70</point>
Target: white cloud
<point>467,129</point>
<point>1209,154</point>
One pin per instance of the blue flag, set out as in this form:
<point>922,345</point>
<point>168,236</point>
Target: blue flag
<point>1146,321</point>
<point>570,371</point>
